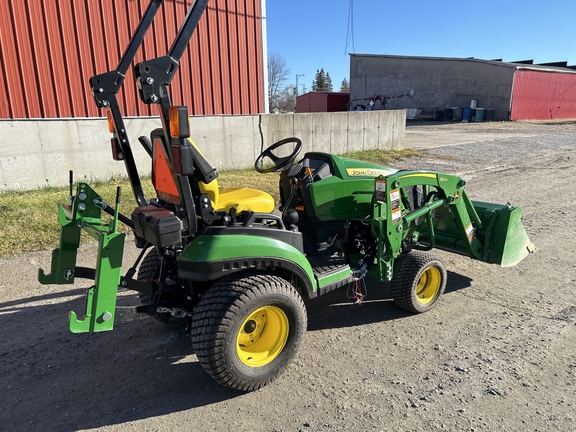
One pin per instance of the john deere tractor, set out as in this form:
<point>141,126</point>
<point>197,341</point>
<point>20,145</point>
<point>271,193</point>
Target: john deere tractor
<point>235,268</point>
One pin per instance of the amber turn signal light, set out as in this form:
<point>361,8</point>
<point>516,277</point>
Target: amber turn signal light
<point>179,122</point>
<point>110,121</point>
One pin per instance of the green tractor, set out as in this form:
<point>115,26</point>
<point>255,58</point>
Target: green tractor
<point>235,269</point>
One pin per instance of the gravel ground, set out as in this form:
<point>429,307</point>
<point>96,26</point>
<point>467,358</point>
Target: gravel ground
<point>497,353</point>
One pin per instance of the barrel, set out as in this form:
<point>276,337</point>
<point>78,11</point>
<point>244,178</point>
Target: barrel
<point>456,114</point>
<point>480,112</point>
<point>466,115</point>
<point>490,114</point>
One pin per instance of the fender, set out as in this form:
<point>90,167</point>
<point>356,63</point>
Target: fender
<point>213,256</point>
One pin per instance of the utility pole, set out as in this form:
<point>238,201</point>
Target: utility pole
<point>297,88</point>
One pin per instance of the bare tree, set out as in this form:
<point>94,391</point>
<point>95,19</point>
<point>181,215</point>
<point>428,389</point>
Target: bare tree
<point>286,102</point>
<point>278,73</point>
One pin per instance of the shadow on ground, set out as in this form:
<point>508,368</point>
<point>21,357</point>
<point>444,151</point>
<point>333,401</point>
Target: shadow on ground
<point>140,370</point>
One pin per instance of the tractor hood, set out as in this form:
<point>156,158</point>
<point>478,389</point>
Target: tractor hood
<point>342,188</point>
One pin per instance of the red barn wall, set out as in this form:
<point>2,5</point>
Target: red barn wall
<point>50,48</point>
<point>539,95</point>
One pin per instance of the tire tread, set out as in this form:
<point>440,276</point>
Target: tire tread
<point>214,316</point>
<point>403,285</point>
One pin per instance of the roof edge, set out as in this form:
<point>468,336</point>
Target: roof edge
<point>517,66</point>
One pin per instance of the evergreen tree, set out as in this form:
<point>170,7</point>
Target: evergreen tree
<point>345,87</point>
<point>318,82</point>
<point>322,81</point>
<point>328,83</point>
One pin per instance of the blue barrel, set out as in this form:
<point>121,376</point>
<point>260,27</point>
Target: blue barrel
<point>466,115</point>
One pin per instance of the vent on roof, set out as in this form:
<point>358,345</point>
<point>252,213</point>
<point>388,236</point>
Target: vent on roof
<point>556,64</point>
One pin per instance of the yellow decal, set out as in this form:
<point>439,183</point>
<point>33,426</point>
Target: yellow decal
<point>419,175</point>
<point>368,172</point>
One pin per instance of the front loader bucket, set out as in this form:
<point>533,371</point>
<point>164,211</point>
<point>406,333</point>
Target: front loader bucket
<point>504,237</point>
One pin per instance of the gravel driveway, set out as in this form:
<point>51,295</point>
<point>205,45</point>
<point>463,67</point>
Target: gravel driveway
<point>497,353</point>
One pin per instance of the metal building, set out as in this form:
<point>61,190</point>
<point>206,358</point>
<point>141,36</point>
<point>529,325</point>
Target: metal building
<point>50,48</point>
<point>322,102</point>
<point>515,90</point>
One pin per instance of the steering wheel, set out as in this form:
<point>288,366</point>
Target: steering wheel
<point>280,163</point>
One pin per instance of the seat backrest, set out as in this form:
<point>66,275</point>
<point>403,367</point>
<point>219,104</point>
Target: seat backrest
<point>162,176</point>
<point>211,189</point>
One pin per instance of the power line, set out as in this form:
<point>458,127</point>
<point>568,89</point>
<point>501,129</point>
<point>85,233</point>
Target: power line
<point>350,28</point>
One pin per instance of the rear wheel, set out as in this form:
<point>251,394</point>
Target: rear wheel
<point>247,328</point>
<point>149,270</point>
<point>419,281</point>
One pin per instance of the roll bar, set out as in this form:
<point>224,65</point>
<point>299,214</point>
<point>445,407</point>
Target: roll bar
<point>153,78</point>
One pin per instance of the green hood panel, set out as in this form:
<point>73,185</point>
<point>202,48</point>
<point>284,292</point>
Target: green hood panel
<point>348,194</point>
<point>352,168</point>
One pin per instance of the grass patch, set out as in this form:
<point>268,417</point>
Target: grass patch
<point>381,157</point>
<point>28,220</point>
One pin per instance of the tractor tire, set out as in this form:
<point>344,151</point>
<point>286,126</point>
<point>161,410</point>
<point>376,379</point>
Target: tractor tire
<point>148,271</point>
<point>247,328</point>
<point>418,282</point>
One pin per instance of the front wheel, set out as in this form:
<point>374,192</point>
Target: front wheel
<point>419,281</point>
<point>247,328</point>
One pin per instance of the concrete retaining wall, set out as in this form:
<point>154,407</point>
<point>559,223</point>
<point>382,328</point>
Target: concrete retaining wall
<point>37,153</point>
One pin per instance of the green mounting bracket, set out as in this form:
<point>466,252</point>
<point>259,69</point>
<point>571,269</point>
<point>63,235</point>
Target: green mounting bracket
<point>101,298</point>
<point>64,258</point>
<point>85,214</point>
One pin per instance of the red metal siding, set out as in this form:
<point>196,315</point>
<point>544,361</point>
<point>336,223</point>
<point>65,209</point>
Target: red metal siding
<point>541,95</point>
<point>337,102</point>
<point>322,102</point>
<point>50,48</point>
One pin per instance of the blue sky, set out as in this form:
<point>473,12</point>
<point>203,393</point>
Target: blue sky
<point>312,34</point>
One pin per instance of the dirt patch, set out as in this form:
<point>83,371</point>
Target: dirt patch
<point>425,135</point>
<point>497,353</point>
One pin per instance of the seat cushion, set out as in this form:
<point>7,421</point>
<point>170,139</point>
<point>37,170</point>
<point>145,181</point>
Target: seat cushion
<point>244,199</point>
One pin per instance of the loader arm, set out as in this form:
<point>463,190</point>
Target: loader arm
<point>423,210</point>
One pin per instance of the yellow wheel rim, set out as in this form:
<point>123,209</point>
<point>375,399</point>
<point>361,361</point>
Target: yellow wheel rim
<point>428,285</point>
<point>262,336</point>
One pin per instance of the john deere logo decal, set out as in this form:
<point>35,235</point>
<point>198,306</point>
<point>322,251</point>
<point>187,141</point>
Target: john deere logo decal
<point>368,172</point>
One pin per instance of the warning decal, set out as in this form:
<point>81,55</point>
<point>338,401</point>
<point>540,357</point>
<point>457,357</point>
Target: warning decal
<point>396,216</point>
<point>380,190</point>
<point>395,206</point>
<point>470,233</point>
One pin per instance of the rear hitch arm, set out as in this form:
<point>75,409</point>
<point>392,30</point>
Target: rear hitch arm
<point>84,214</point>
